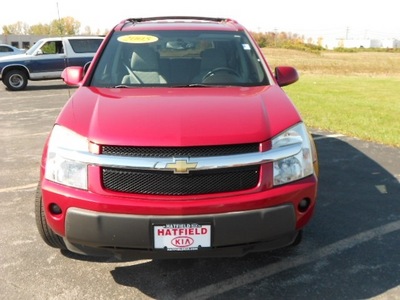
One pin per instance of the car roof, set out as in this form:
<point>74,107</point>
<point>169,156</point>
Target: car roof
<point>179,23</point>
<point>73,37</point>
<point>11,46</point>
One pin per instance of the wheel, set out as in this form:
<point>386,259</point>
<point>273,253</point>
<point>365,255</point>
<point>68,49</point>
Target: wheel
<point>221,69</point>
<point>16,80</point>
<point>47,234</point>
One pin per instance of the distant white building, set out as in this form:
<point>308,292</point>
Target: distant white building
<point>20,41</point>
<point>390,43</point>
<point>356,43</point>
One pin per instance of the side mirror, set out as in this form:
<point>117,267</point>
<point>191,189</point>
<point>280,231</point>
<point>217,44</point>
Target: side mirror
<point>73,75</point>
<point>39,52</point>
<point>286,75</point>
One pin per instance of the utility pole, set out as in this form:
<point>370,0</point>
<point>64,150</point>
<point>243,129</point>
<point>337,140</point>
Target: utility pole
<point>58,12</point>
<point>59,21</point>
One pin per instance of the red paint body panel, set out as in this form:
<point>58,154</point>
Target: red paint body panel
<point>179,116</point>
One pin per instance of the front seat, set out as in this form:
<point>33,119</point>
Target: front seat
<point>144,68</point>
<point>210,59</point>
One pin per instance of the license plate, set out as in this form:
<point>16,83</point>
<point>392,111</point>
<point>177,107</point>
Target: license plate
<point>182,237</point>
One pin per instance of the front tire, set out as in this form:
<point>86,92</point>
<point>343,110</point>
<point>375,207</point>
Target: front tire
<point>47,234</point>
<point>16,80</point>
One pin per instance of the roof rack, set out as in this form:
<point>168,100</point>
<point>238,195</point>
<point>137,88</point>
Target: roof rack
<point>138,20</point>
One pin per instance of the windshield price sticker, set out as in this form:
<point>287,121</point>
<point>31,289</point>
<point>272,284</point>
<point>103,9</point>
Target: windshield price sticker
<point>182,237</point>
<point>138,39</point>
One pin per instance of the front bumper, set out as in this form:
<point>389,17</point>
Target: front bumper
<point>233,234</point>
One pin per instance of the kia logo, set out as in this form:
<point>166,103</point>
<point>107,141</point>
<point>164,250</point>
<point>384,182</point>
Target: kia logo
<point>182,241</point>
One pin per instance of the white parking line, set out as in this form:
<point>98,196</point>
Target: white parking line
<point>15,111</point>
<point>270,270</point>
<point>328,136</point>
<point>31,96</point>
<point>18,188</point>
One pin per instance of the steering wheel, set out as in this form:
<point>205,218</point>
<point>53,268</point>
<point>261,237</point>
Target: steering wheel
<point>220,69</point>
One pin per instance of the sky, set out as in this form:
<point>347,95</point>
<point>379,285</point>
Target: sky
<point>351,19</point>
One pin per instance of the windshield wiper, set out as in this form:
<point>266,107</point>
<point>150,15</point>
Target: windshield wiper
<point>191,85</point>
<point>119,86</point>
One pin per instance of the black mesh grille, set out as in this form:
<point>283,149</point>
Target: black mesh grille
<point>168,183</point>
<point>180,151</point>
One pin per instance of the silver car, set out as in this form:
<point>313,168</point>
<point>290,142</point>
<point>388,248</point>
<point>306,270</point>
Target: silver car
<point>10,50</point>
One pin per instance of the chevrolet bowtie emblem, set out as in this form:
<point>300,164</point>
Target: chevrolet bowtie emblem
<point>181,166</point>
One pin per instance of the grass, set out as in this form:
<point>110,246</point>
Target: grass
<point>356,94</point>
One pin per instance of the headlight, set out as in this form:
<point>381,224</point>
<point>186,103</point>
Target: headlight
<point>294,167</point>
<point>62,170</point>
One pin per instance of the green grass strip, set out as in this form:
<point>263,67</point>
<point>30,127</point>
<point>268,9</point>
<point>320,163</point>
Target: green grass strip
<point>361,106</point>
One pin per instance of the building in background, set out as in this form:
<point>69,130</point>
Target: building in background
<point>355,43</point>
<point>21,41</point>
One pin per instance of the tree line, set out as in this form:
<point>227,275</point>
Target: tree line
<point>284,40</point>
<point>57,27</point>
<point>70,26</point>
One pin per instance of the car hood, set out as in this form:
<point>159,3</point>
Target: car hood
<point>179,116</point>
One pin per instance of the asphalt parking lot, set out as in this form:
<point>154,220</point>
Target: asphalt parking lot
<point>350,250</point>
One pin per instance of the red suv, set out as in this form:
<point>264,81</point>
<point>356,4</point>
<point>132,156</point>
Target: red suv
<point>179,142</point>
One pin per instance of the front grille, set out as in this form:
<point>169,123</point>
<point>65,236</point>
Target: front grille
<point>168,183</point>
<point>202,151</point>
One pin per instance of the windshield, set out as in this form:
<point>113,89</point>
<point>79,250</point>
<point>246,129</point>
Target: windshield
<point>33,48</point>
<point>179,58</point>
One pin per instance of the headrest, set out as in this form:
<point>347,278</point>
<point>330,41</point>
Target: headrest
<point>144,59</point>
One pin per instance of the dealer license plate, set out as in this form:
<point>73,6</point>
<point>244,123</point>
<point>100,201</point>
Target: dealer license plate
<point>182,237</point>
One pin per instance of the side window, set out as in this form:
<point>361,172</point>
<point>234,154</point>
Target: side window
<point>53,47</point>
<point>5,49</point>
<point>85,45</point>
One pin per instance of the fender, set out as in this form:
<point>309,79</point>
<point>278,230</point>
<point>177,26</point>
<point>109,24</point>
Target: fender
<point>13,67</point>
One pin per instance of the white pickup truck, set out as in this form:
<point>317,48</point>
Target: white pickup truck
<point>47,59</point>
